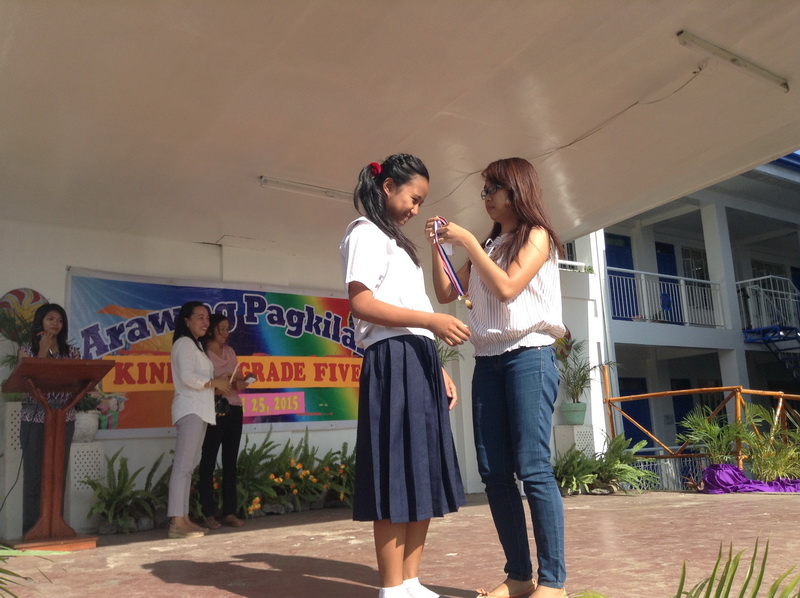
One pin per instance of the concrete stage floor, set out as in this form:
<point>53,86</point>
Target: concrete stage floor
<point>623,546</point>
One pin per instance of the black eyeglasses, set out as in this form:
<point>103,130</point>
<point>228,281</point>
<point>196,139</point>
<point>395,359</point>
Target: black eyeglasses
<point>490,190</point>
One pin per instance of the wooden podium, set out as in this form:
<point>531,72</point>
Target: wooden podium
<point>38,376</point>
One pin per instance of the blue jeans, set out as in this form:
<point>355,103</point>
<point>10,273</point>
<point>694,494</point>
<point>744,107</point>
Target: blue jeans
<point>512,409</point>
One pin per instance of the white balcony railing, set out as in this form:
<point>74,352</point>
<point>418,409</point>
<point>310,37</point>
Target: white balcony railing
<point>646,296</point>
<point>767,302</point>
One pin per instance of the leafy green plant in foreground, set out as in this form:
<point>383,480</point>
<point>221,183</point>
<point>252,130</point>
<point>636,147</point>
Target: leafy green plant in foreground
<point>722,582</point>
<point>7,576</point>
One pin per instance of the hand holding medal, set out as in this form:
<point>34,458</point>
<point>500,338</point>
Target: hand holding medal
<point>448,266</point>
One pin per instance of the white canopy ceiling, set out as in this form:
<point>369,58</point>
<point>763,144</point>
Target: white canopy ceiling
<point>158,118</point>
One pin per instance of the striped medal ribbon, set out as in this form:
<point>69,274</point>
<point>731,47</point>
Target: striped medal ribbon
<point>448,267</point>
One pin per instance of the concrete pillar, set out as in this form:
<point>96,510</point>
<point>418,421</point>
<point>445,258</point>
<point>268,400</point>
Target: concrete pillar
<point>733,362</point>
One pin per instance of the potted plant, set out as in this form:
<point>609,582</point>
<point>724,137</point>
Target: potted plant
<point>576,375</point>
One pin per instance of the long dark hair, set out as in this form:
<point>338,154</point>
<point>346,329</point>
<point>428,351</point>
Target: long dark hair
<point>369,195</point>
<point>37,328</point>
<point>520,179</point>
<point>181,329</point>
<point>214,320</point>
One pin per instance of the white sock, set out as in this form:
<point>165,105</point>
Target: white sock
<point>393,592</point>
<point>416,590</point>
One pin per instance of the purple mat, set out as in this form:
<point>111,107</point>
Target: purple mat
<point>724,478</point>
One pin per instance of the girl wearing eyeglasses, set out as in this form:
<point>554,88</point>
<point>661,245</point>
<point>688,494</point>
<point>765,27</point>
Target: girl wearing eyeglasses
<point>406,466</point>
<point>513,284</point>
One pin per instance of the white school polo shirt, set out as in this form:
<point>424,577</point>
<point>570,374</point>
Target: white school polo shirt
<point>375,260</point>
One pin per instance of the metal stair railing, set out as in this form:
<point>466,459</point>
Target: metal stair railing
<point>770,310</point>
<point>768,302</point>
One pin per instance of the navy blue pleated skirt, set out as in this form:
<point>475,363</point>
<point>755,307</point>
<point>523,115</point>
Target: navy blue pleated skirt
<point>406,465</point>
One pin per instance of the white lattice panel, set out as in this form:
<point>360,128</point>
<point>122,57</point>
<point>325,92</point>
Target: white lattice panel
<point>11,473</point>
<point>580,436</point>
<point>11,428</point>
<point>86,460</point>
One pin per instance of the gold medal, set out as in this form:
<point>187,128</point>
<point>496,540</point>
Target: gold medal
<point>467,301</point>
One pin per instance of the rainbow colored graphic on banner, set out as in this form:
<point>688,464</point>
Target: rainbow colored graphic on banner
<point>295,345</point>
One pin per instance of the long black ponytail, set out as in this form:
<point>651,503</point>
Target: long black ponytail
<point>369,194</point>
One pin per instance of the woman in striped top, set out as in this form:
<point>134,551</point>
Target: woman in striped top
<point>514,288</point>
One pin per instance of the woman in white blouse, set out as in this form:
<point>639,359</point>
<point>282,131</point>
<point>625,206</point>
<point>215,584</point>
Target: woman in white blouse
<point>192,410</point>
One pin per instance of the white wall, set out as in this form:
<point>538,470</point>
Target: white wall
<point>37,257</point>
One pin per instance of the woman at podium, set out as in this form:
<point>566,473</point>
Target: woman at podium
<point>49,334</point>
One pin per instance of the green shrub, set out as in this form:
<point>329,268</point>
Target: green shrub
<point>296,475</point>
<point>615,468</point>
<point>609,471</point>
<point>343,479</point>
<point>574,472</point>
<point>713,436</point>
<point>772,452</point>
<point>117,498</point>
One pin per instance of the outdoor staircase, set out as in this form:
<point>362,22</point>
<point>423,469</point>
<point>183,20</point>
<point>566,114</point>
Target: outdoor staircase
<point>771,317</point>
<point>783,342</point>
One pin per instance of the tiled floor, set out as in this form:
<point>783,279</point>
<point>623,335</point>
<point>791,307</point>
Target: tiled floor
<point>623,546</point>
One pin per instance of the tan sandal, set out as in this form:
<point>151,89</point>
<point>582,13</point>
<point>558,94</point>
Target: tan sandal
<point>180,533</point>
<point>232,521</point>
<point>490,594</point>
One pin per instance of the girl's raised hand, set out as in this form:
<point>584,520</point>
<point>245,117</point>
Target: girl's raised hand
<point>449,328</point>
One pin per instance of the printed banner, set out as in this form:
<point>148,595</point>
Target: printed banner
<point>299,348</point>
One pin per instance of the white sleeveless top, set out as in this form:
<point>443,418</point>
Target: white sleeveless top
<point>531,319</point>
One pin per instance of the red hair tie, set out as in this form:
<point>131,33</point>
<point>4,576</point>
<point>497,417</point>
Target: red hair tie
<point>374,169</point>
